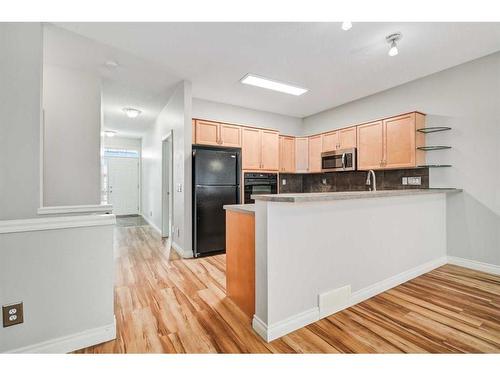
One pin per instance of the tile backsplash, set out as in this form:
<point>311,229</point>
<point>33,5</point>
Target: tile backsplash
<point>350,181</point>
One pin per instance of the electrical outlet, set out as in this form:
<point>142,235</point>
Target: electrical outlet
<point>283,181</point>
<point>414,180</point>
<point>151,213</point>
<point>179,188</point>
<point>178,232</point>
<point>404,181</point>
<point>323,181</point>
<point>12,314</point>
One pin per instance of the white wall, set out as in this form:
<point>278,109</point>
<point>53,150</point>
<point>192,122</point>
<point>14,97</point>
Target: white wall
<point>72,127</point>
<point>467,98</point>
<point>209,110</point>
<point>20,106</point>
<point>359,242</point>
<point>64,277</point>
<point>176,116</point>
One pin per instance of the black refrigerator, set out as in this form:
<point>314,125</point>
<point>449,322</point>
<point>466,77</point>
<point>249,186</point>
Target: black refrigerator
<point>216,182</point>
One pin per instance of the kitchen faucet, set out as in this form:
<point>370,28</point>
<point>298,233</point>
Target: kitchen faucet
<point>369,176</point>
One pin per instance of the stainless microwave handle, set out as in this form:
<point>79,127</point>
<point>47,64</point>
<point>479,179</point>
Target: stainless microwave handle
<point>343,160</point>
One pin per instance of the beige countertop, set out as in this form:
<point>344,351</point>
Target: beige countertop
<point>318,197</point>
<point>244,208</point>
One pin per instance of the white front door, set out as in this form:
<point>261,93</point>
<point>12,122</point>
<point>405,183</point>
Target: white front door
<point>123,185</point>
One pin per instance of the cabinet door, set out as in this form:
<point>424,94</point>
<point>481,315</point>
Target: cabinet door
<point>347,138</point>
<point>250,148</point>
<point>270,142</point>
<point>370,145</point>
<point>207,133</point>
<point>399,142</point>
<point>193,130</point>
<point>330,141</point>
<point>315,146</point>
<point>287,154</point>
<point>301,155</point>
<point>230,135</point>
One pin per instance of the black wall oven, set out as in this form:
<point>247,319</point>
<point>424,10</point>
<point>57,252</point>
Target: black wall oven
<point>259,183</point>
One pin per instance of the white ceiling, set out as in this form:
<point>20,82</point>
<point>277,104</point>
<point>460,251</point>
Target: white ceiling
<point>336,66</point>
<point>134,83</point>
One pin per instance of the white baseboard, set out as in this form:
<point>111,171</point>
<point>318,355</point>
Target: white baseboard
<point>304,318</point>
<point>151,224</point>
<point>183,253</point>
<point>474,265</point>
<point>70,343</point>
<point>285,326</point>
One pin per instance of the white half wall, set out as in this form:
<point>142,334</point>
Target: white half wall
<point>467,98</point>
<point>61,268</point>
<point>72,135</point>
<point>176,117</point>
<point>20,106</point>
<point>365,245</point>
<point>209,110</point>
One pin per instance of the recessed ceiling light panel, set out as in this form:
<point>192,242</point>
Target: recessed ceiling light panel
<point>271,84</point>
<point>131,112</point>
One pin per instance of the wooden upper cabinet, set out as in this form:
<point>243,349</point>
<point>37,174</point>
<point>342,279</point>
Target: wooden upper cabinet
<point>229,135</point>
<point>250,148</point>
<point>330,141</point>
<point>347,138</point>
<point>399,142</point>
<point>287,154</point>
<point>207,133</point>
<point>301,155</point>
<point>370,145</point>
<point>270,143</point>
<point>315,149</point>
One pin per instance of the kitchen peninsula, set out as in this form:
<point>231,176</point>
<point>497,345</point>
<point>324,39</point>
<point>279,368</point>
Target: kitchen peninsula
<point>318,253</point>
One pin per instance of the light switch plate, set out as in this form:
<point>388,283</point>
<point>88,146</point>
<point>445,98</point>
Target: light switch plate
<point>404,181</point>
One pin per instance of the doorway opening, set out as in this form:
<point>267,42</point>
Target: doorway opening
<point>121,180</point>
<point>166,185</point>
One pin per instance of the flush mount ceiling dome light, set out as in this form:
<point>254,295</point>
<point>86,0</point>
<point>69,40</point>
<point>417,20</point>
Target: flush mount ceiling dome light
<point>392,40</point>
<point>346,25</point>
<point>271,84</point>
<point>108,133</point>
<point>131,112</point>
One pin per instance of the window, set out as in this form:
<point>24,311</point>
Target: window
<point>120,153</point>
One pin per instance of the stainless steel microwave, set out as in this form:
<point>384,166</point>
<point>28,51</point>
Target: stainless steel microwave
<point>339,160</point>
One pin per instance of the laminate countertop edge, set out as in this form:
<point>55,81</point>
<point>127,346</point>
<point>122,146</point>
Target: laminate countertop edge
<point>332,196</point>
<point>243,208</point>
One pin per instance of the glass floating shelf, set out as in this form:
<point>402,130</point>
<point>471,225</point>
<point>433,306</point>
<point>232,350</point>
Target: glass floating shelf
<point>434,166</point>
<point>431,148</point>
<point>433,129</point>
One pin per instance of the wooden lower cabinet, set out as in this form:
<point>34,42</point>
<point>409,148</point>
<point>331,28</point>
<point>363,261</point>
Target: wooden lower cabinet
<point>240,260</point>
<point>287,154</point>
<point>315,149</point>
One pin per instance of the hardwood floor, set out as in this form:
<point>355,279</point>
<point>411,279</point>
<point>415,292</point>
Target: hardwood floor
<point>165,304</point>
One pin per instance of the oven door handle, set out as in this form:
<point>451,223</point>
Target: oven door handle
<point>343,160</point>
